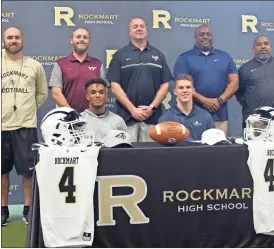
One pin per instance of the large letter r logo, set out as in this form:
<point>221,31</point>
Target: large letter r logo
<point>249,21</point>
<point>63,13</point>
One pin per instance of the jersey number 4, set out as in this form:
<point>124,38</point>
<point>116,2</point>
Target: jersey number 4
<point>66,184</point>
<point>269,174</point>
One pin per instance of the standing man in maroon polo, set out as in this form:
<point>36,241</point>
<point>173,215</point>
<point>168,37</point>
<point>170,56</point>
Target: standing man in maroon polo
<point>70,73</point>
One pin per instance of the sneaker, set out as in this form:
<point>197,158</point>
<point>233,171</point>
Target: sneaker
<point>4,217</point>
<point>26,214</point>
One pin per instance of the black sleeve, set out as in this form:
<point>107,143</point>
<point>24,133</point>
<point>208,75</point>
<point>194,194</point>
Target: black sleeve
<point>114,70</point>
<point>166,73</point>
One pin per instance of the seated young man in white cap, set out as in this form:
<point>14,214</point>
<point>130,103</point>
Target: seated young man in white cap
<point>194,118</point>
<point>99,118</point>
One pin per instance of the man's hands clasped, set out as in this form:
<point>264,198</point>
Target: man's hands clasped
<point>141,112</point>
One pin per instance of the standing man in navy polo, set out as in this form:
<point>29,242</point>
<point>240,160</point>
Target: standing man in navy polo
<point>139,77</point>
<point>185,112</point>
<point>71,73</point>
<point>214,73</point>
<point>256,87</point>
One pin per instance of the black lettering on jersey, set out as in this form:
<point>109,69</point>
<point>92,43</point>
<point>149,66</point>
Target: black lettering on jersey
<point>66,160</point>
<point>66,184</point>
<point>269,174</point>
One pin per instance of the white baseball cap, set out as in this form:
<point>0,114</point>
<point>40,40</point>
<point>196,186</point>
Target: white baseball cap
<point>214,136</point>
<point>114,138</point>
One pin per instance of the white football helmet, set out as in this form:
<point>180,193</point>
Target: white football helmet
<point>260,125</point>
<point>64,126</point>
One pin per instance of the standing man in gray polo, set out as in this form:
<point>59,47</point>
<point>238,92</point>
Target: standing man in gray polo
<point>256,87</point>
<point>139,77</point>
<point>214,73</point>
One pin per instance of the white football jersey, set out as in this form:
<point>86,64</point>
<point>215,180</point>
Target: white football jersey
<point>261,165</point>
<point>66,179</point>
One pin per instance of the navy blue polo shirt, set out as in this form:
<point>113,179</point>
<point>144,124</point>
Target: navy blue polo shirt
<point>209,72</point>
<point>140,74</point>
<point>197,121</point>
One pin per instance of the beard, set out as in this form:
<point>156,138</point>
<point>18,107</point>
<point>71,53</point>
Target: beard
<point>263,56</point>
<point>80,50</point>
<point>13,49</point>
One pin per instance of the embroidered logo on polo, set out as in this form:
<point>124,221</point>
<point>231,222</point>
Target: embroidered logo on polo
<point>155,57</point>
<point>196,123</point>
<point>92,68</point>
<point>252,70</point>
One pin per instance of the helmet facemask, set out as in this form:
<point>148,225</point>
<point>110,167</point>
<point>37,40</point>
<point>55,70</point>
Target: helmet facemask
<point>66,128</point>
<point>258,128</point>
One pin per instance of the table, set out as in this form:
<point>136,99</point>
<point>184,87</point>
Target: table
<point>185,196</point>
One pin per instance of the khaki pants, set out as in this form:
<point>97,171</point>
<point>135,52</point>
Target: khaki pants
<point>139,132</point>
<point>222,125</point>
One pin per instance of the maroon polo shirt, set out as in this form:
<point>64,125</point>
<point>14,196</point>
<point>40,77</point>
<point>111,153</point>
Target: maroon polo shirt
<point>74,77</point>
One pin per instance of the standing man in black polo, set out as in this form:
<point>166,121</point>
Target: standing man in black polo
<point>256,88</point>
<point>139,77</point>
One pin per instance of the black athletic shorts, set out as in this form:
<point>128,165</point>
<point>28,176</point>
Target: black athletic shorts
<point>16,150</point>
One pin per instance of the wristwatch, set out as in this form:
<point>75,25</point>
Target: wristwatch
<point>153,108</point>
<point>220,100</point>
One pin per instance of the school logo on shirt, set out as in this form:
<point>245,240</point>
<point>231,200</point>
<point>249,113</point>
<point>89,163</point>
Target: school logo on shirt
<point>251,23</point>
<point>14,81</point>
<point>163,18</point>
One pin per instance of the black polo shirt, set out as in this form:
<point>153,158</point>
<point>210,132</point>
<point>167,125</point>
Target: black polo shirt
<point>256,85</point>
<point>140,74</point>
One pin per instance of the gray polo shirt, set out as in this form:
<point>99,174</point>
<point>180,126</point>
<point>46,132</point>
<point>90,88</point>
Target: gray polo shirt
<point>102,124</point>
<point>256,85</point>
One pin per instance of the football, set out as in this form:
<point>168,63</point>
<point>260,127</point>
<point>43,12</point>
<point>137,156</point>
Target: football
<point>168,133</point>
